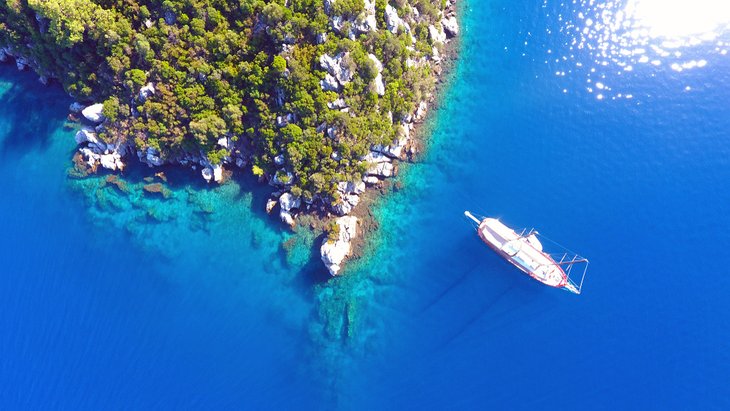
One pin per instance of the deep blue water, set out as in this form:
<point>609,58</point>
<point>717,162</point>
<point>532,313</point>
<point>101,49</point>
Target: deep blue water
<point>113,300</point>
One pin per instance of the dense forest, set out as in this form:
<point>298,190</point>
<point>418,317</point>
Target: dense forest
<point>248,71</point>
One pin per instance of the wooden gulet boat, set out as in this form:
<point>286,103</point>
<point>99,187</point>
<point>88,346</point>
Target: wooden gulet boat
<point>525,251</point>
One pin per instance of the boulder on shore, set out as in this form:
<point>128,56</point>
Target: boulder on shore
<point>451,26</point>
<point>334,253</point>
<point>437,36</point>
<point>152,157</point>
<point>218,173</point>
<point>86,135</point>
<point>287,202</point>
<point>93,113</point>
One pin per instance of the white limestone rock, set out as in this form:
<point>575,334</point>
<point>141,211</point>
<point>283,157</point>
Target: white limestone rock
<point>270,204</point>
<point>343,207</point>
<point>225,142</point>
<point>376,157</point>
<point>329,83</point>
<point>349,196</point>
<point>337,67</point>
<point>395,149</point>
<point>348,187</point>
<point>111,161</point>
<point>437,36</point>
<point>378,81</point>
<point>366,21</point>
<point>282,121</point>
<point>86,135</point>
<point>279,160</point>
<point>370,180</point>
<point>435,55</point>
<point>207,174</point>
<point>108,160</point>
<point>392,20</point>
<point>146,91</point>
<point>92,158</point>
<point>334,253</point>
<point>287,203</point>
<point>337,104</point>
<point>379,165</point>
<point>218,173</point>
<point>93,113</point>
<point>451,26</point>
<point>382,170</point>
<point>421,111</point>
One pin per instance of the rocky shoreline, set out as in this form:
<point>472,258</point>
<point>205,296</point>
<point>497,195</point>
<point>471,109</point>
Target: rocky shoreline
<point>348,215</point>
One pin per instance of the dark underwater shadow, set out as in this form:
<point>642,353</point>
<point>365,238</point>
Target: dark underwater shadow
<point>32,110</point>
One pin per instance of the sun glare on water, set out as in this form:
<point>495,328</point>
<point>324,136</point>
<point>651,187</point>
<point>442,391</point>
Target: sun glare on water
<point>680,19</point>
<point>622,36</point>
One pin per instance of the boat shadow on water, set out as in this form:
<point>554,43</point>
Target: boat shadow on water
<point>484,290</point>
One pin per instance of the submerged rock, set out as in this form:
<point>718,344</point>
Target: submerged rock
<point>335,251</point>
<point>157,188</point>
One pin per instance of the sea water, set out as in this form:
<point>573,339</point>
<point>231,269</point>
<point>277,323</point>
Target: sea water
<point>605,126</point>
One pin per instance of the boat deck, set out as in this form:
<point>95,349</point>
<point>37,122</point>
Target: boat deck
<point>522,252</point>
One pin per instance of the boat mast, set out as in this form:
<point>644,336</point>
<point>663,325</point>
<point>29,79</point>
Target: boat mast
<point>470,215</point>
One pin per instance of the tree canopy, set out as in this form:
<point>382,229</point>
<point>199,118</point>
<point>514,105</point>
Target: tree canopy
<point>234,69</point>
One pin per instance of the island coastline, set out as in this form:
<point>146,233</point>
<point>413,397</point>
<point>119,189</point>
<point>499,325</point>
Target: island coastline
<point>88,158</point>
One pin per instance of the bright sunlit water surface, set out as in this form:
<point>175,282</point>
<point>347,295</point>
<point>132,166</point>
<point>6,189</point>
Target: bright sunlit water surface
<point>606,42</point>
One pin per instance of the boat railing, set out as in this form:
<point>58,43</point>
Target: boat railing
<point>573,265</point>
<point>575,268</point>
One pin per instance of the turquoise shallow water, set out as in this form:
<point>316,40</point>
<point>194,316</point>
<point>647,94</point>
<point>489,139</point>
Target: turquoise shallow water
<point>121,299</point>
